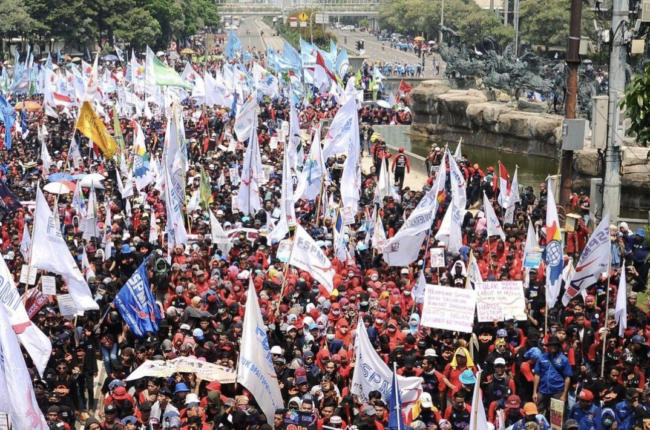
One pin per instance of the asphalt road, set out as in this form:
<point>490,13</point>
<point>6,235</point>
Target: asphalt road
<point>373,47</point>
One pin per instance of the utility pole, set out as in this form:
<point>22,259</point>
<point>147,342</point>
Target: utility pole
<point>515,22</point>
<point>505,12</point>
<point>442,22</point>
<point>612,184</point>
<point>573,61</point>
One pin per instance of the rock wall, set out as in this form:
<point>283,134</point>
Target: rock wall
<point>446,114</point>
<point>490,119</point>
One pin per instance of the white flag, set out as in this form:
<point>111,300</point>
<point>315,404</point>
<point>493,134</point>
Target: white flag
<point>74,153</point>
<point>177,235</point>
<point>373,374</point>
<point>193,204</point>
<point>248,196</point>
<point>493,225</point>
<point>342,131</point>
<point>457,154</point>
<point>473,271</point>
<point>553,253</point>
<point>477,419</point>
<point>25,244</point>
<point>50,252</point>
<point>458,183</point>
<point>287,204</point>
<point>36,343</point>
<point>85,266</point>
<point>621,303</point>
<point>153,228</point>
<point>16,390</point>
<point>595,259</point>
<point>351,177</point>
<point>306,255</point>
<point>255,370</point>
<point>246,119</point>
<point>219,236</point>
<point>47,160</point>
<point>403,248</point>
<point>419,288</point>
<point>309,185</point>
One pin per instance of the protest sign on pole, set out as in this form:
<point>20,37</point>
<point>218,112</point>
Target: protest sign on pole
<point>496,300</point>
<point>437,257</point>
<point>449,308</point>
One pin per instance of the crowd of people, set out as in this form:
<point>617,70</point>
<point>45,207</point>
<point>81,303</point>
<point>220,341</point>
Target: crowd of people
<point>571,353</point>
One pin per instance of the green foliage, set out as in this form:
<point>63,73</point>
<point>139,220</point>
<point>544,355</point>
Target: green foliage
<point>136,22</point>
<point>636,103</point>
<point>320,33</point>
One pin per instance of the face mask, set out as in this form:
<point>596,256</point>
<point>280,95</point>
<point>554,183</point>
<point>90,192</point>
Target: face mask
<point>407,293</point>
<point>343,330</point>
<point>315,290</point>
<point>336,312</point>
<point>330,336</point>
<point>392,329</point>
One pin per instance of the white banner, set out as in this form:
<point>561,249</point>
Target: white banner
<point>306,255</point>
<point>372,374</point>
<point>449,308</point>
<point>219,236</point>
<point>496,300</point>
<point>255,370</point>
<point>165,369</point>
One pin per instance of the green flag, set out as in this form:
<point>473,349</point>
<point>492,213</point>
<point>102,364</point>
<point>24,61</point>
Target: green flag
<point>165,76</point>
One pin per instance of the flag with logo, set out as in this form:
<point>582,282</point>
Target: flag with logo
<point>553,254</point>
<point>306,255</point>
<point>594,260</point>
<point>137,305</point>
<point>493,225</point>
<point>621,303</point>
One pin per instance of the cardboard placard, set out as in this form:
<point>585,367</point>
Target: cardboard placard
<point>32,275</point>
<point>437,257</point>
<point>347,216</point>
<point>273,143</point>
<point>284,250</point>
<point>48,285</point>
<point>496,300</point>
<point>449,308</point>
<point>557,414</point>
<point>66,304</point>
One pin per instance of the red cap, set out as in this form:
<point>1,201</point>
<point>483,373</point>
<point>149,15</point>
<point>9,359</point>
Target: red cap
<point>119,393</point>
<point>586,395</point>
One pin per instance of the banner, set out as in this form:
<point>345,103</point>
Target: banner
<point>306,255</point>
<point>496,300</point>
<point>449,308</point>
<point>137,305</point>
<point>557,414</point>
<point>255,369</point>
<point>165,369</point>
<point>373,374</point>
<point>219,236</point>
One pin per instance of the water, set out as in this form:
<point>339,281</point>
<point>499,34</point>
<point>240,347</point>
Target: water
<point>532,171</point>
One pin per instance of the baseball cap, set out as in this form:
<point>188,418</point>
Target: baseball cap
<point>499,362</point>
<point>530,409</point>
<point>425,400</point>
<point>513,402</point>
<point>369,410</point>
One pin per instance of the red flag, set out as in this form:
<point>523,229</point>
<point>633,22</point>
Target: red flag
<point>404,88</point>
<point>504,180</point>
<point>321,62</point>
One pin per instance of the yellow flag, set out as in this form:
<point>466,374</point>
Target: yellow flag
<point>93,128</point>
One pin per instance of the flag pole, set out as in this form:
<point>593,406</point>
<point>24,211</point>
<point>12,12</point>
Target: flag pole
<point>322,180</point>
<point>609,274</point>
<point>31,248</point>
<point>284,275</point>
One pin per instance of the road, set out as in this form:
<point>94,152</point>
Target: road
<point>373,49</point>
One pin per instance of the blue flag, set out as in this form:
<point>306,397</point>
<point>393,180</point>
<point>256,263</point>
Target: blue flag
<point>9,117</point>
<point>8,200</point>
<point>395,420</point>
<point>233,45</point>
<point>137,305</point>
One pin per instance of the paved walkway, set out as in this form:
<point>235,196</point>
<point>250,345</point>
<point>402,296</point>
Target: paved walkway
<point>413,180</point>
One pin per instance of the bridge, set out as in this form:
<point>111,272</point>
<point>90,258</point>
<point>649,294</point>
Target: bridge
<point>363,8</point>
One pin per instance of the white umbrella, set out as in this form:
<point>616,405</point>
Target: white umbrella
<point>57,188</point>
<point>96,177</point>
<point>384,104</point>
<point>89,183</point>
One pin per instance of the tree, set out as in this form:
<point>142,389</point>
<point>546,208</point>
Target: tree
<point>636,103</point>
<point>139,28</point>
<point>15,19</point>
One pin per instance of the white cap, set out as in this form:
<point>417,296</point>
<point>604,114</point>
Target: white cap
<point>425,400</point>
<point>500,361</point>
<point>277,350</point>
<point>404,271</point>
<point>191,398</point>
<point>185,327</point>
<point>430,353</point>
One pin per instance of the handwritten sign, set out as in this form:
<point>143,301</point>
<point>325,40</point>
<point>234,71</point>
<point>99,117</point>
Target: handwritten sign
<point>273,143</point>
<point>437,257</point>
<point>496,300</point>
<point>48,284</point>
<point>347,216</point>
<point>448,308</point>
<point>66,305</point>
<point>32,275</point>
